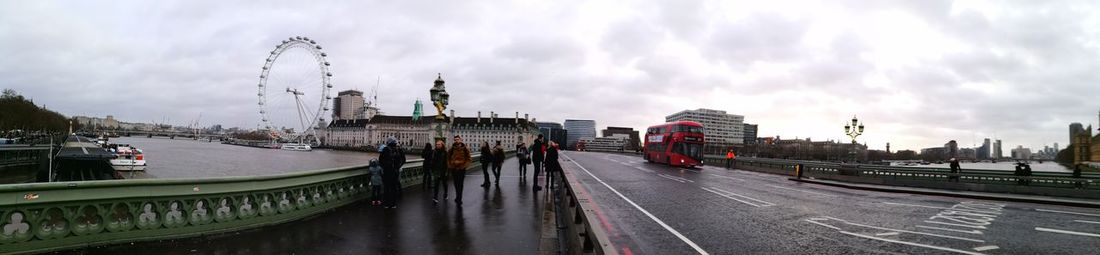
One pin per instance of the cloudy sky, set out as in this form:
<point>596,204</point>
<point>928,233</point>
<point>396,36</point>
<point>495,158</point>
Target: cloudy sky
<point>917,72</point>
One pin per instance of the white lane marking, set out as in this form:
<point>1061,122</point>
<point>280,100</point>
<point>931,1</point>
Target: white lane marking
<point>1076,213</point>
<point>1086,221</point>
<point>943,208</point>
<point>810,220</point>
<point>887,234</point>
<point>643,210</point>
<point>976,232</point>
<point>670,178</point>
<point>678,178</point>
<point>727,177</point>
<point>906,231</point>
<point>955,224</point>
<point>730,197</point>
<point>643,169</point>
<point>1066,232</point>
<point>763,203</point>
<point>986,248</point>
<point>806,191</point>
<point>693,170</point>
<point>913,244</point>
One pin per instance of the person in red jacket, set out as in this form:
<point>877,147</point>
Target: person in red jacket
<point>730,157</point>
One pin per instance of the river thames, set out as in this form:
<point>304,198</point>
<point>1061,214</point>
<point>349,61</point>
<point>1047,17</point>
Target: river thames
<point>186,158</point>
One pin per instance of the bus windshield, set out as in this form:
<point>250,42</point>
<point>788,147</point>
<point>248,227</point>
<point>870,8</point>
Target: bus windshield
<point>692,150</point>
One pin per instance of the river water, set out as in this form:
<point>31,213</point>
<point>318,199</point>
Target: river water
<point>186,158</point>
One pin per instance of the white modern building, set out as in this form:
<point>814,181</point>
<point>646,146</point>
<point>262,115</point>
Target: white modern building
<point>720,128</point>
<point>1021,153</point>
<point>615,142</point>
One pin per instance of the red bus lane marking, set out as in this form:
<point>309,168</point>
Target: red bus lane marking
<point>640,209</point>
<point>599,212</point>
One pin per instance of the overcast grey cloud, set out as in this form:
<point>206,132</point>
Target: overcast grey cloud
<point>917,72</point>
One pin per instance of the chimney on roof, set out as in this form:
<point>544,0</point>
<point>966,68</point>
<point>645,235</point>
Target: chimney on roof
<point>517,117</point>
<point>453,116</point>
<point>478,116</point>
<point>492,115</point>
<point>525,117</point>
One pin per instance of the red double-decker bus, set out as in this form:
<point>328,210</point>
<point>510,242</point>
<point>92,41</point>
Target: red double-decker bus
<point>675,143</point>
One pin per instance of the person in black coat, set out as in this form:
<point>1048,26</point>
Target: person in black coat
<point>426,154</point>
<point>553,167</point>
<point>438,168</point>
<point>486,162</point>
<point>955,169</point>
<point>391,159</point>
<point>498,161</point>
<point>537,158</point>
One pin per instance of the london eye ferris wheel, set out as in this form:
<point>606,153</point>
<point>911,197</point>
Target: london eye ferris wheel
<point>294,90</point>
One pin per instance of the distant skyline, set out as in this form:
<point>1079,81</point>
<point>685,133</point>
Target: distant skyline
<point>918,73</point>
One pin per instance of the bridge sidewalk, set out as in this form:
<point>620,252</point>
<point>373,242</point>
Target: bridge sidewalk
<point>504,219</point>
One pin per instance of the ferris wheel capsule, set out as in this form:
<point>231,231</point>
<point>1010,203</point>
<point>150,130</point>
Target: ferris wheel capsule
<point>305,38</point>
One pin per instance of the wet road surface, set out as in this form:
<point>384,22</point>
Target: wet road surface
<point>656,209</point>
<point>505,219</point>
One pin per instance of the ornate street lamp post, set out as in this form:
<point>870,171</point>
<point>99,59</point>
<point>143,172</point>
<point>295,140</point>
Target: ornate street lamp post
<point>440,99</point>
<point>854,130</point>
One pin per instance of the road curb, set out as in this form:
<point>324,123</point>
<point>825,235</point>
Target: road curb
<point>964,194</point>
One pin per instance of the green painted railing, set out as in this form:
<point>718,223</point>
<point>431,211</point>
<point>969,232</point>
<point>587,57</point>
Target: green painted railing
<point>40,217</point>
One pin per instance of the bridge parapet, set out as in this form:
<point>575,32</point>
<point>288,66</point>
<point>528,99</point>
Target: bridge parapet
<point>40,217</point>
<point>1039,183</point>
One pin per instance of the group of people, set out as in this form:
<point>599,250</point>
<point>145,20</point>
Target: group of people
<point>441,162</point>
<point>385,174</point>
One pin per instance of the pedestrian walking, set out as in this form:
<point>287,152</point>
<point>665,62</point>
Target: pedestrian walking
<point>524,157</point>
<point>426,154</point>
<point>486,162</point>
<point>391,159</point>
<point>1077,174</point>
<point>498,161</point>
<point>729,158</point>
<point>458,160</point>
<point>553,167</point>
<point>537,150</point>
<point>375,172</point>
<point>438,168</point>
<point>955,169</point>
